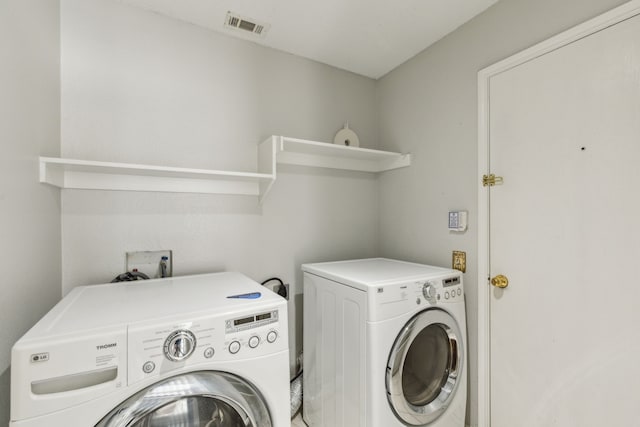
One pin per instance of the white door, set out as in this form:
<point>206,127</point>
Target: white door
<point>564,132</point>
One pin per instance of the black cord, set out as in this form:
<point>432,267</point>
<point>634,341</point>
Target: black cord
<point>130,276</point>
<point>281,290</point>
<point>272,279</point>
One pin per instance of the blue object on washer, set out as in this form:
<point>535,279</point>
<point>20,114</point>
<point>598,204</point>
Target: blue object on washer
<point>252,295</point>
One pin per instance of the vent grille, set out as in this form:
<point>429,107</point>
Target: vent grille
<point>235,21</point>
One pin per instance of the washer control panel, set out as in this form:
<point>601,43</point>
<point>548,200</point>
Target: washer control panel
<point>448,289</point>
<point>155,349</point>
<point>390,300</point>
<point>251,332</point>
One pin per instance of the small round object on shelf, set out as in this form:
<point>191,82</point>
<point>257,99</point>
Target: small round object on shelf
<point>346,137</point>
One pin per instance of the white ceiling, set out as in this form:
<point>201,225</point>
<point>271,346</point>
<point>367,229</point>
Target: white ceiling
<point>367,37</point>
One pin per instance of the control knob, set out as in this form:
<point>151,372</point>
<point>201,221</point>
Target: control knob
<point>179,345</point>
<point>429,291</point>
<point>254,341</point>
<point>272,336</point>
<point>234,347</point>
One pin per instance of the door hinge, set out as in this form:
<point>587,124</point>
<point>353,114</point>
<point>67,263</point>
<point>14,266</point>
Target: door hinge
<point>491,180</point>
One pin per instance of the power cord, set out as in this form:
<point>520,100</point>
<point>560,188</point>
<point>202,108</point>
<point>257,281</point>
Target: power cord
<point>130,276</point>
<point>280,290</point>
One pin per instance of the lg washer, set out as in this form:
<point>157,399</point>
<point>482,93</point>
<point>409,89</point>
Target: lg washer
<point>197,351</point>
<point>385,345</point>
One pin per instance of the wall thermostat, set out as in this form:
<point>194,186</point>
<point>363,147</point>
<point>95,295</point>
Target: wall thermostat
<point>457,220</point>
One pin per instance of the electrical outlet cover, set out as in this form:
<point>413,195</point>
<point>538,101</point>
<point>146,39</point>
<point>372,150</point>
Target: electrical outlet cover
<point>148,262</point>
<point>459,261</point>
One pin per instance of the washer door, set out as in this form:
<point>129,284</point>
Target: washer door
<point>197,399</point>
<point>424,367</point>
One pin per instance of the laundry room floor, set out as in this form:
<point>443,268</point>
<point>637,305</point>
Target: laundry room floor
<point>297,421</point>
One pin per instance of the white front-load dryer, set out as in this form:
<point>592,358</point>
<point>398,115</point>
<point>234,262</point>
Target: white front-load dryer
<point>195,351</point>
<point>385,345</point>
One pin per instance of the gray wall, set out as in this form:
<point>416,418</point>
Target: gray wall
<point>428,106</point>
<point>29,211</point>
<point>141,88</point>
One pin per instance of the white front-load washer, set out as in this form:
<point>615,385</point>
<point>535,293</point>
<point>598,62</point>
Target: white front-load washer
<point>385,345</point>
<point>195,351</point>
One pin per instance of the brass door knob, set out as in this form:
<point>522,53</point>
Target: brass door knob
<point>500,281</point>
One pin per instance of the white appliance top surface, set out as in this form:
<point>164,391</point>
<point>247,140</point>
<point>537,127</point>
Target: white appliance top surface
<point>373,272</point>
<point>98,306</point>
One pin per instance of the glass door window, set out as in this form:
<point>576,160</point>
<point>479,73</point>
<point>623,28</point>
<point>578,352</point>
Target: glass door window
<point>424,367</point>
<point>195,411</point>
<point>196,399</point>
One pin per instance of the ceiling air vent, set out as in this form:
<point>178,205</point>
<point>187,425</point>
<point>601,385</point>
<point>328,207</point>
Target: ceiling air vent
<point>238,22</point>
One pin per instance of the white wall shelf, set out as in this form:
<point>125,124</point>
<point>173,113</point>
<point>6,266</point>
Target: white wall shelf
<point>301,152</point>
<point>93,175</point>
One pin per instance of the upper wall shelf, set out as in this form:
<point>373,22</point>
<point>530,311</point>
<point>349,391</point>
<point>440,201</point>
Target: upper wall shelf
<point>93,175</point>
<point>87,174</point>
<point>301,152</point>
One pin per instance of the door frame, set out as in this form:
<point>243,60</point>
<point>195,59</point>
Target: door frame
<point>599,23</point>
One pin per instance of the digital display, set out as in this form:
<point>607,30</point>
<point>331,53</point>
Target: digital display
<point>452,281</point>
<point>263,316</point>
<point>238,322</point>
<point>258,320</point>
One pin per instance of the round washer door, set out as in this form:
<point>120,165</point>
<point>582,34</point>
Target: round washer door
<point>197,399</point>
<point>424,367</point>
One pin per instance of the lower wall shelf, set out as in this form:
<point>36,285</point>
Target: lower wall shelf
<point>93,175</point>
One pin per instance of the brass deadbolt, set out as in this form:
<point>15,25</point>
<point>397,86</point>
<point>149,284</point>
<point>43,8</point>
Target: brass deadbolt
<point>500,281</point>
